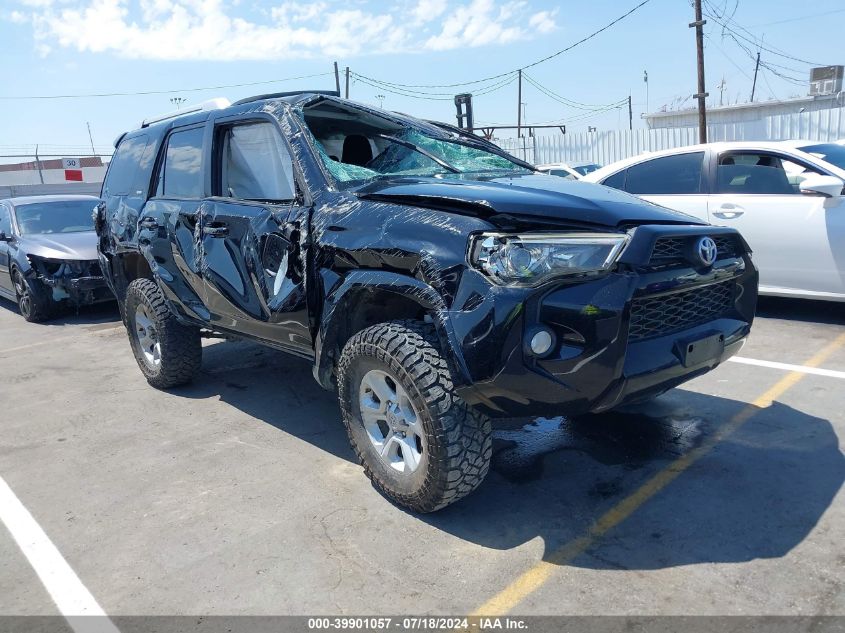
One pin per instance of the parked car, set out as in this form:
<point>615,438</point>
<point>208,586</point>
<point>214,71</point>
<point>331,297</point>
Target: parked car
<point>432,279</point>
<point>784,197</point>
<point>570,171</point>
<point>48,254</point>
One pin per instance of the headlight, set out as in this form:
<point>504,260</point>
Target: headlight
<point>529,260</point>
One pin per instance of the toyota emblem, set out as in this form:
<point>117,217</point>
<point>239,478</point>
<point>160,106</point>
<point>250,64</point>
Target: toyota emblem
<point>707,251</point>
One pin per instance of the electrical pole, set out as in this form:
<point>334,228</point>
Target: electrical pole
<point>90,138</point>
<point>630,114</point>
<point>722,85</point>
<point>337,79</point>
<point>519,107</point>
<point>347,82</point>
<point>754,83</point>
<point>38,165</point>
<point>701,95</point>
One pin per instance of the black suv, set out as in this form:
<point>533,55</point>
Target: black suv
<point>434,280</point>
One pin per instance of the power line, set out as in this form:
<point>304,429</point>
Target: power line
<point>161,92</point>
<point>751,38</point>
<point>531,65</point>
<point>563,100</point>
<point>803,17</point>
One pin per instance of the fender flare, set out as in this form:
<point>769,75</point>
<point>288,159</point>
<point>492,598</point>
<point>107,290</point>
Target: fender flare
<point>342,294</point>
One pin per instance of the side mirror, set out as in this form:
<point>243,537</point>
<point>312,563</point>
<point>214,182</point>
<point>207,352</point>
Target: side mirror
<point>4,237</point>
<point>826,186</point>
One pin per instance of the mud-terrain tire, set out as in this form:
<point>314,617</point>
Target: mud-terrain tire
<point>449,442</point>
<point>168,353</point>
<point>34,304</point>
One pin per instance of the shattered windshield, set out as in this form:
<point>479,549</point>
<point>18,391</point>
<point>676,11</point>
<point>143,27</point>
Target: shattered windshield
<point>65,216</point>
<point>357,146</point>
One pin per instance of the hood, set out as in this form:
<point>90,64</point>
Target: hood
<point>527,197</point>
<point>67,246</point>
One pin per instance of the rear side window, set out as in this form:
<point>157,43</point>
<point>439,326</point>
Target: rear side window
<point>255,164</point>
<point>617,180</point>
<point>181,171</point>
<point>669,175</point>
<point>130,161</point>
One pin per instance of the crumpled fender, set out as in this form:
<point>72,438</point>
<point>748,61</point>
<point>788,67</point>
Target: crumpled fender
<point>343,293</point>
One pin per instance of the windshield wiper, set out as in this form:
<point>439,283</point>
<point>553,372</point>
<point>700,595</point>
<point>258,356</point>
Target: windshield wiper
<point>417,148</point>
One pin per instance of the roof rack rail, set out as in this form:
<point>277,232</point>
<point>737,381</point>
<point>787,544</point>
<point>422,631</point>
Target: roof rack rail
<point>293,93</point>
<point>212,104</point>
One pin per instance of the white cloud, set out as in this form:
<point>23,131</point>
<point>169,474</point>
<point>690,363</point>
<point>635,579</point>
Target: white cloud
<point>215,30</point>
<point>543,21</point>
<point>481,23</point>
<point>428,10</point>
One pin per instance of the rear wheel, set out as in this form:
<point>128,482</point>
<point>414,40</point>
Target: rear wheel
<point>168,353</point>
<point>419,443</point>
<point>32,305</point>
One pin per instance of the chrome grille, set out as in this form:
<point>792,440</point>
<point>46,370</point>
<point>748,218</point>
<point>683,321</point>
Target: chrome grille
<point>657,316</point>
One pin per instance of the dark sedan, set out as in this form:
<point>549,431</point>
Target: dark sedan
<point>48,254</point>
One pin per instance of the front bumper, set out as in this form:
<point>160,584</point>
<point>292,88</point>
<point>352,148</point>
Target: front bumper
<point>79,291</point>
<point>602,357</point>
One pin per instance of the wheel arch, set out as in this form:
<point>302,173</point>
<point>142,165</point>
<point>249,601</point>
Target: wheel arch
<point>365,298</point>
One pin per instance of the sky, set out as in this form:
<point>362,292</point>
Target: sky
<point>200,49</point>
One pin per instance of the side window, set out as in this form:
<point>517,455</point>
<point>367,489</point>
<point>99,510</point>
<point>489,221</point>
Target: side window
<point>254,163</point>
<point>617,180</point>
<point>669,175</point>
<point>180,174</point>
<point>123,178</point>
<point>5,220</point>
<point>759,173</point>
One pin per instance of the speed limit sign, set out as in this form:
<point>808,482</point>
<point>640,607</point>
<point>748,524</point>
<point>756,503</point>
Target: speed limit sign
<point>70,163</point>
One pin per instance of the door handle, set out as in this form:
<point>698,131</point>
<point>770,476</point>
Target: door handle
<point>729,211</point>
<point>215,231</point>
<point>148,223</point>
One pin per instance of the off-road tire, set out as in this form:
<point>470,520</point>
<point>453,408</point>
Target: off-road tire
<point>34,303</point>
<point>181,347</point>
<point>458,438</point>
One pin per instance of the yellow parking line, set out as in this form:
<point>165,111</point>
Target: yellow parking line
<point>531,580</point>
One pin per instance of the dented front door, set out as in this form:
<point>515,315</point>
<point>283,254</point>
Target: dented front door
<point>253,272</point>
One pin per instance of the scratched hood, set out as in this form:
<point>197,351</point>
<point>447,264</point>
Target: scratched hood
<point>66,246</point>
<point>527,196</point>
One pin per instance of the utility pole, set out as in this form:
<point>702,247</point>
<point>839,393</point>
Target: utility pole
<point>722,85</point>
<point>645,80</point>
<point>630,114</point>
<point>701,95</point>
<point>754,83</point>
<point>519,107</point>
<point>337,79</point>
<point>38,165</point>
<point>347,83</point>
<point>90,138</point>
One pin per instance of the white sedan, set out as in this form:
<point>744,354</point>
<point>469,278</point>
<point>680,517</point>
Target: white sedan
<point>570,171</point>
<point>786,198</point>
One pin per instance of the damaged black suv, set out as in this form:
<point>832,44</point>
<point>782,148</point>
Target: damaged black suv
<point>435,281</point>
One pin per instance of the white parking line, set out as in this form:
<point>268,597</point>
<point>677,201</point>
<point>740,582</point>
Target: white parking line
<point>830,373</point>
<point>60,581</point>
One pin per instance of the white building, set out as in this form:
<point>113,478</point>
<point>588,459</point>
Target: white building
<point>745,113</point>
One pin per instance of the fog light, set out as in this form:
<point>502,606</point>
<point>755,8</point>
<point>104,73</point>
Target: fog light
<point>541,342</point>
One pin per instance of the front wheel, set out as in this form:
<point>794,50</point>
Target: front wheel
<point>168,353</point>
<point>33,307</point>
<point>419,443</point>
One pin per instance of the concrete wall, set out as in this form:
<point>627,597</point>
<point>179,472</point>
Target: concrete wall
<point>78,188</point>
